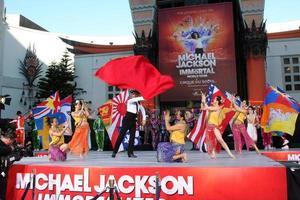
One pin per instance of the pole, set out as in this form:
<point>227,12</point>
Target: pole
<point>157,186</point>
<point>111,183</point>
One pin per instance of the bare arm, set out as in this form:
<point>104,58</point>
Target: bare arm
<point>58,133</point>
<point>175,127</point>
<point>238,109</point>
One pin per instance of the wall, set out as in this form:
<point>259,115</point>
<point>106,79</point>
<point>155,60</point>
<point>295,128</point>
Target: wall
<point>85,68</point>
<point>277,48</point>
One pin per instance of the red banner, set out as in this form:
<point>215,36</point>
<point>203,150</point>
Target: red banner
<point>196,47</point>
<point>136,183</point>
<point>283,155</point>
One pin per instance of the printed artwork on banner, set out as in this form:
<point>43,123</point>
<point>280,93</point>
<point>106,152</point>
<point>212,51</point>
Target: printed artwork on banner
<point>197,48</point>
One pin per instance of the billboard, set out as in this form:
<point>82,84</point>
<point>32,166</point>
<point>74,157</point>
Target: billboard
<point>54,182</point>
<point>196,47</point>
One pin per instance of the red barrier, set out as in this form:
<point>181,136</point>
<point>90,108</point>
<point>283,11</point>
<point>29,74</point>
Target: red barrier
<point>177,183</point>
<point>283,155</point>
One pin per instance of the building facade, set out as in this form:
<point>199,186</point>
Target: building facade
<point>283,61</point>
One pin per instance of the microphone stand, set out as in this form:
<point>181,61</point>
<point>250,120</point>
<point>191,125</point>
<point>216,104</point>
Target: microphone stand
<point>28,186</point>
<point>112,189</point>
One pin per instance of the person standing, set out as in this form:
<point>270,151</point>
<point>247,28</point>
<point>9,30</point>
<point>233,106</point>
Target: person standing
<point>239,129</point>
<point>154,129</point>
<point>99,129</point>
<point>213,133</point>
<point>129,122</point>
<point>20,130</point>
<point>252,123</point>
<point>79,142</point>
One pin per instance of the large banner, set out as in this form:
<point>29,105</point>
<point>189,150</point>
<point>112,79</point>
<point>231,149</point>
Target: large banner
<point>138,183</point>
<point>196,47</point>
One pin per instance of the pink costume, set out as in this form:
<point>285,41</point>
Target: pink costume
<point>239,131</point>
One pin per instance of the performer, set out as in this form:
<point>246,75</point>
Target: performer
<point>215,118</point>
<point>163,134</point>
<point>252,120</point>
<point>33,133</point>
<point>99,129</point>
<point>239,129</point>
<point>129,122</point>
<point>174,150</point>
<point>79,142</point>
<point>57,139</point>
<point>20,131</point>
<point>154,129</point>
<point>191,120</point>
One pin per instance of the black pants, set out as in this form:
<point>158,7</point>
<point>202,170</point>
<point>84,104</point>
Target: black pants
<point>128,123</point>
<point>3,183</point>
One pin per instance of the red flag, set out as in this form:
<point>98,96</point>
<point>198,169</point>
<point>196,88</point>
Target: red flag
<point>135,72</point>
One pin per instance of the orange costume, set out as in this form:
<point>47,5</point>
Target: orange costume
<point>79,143</point>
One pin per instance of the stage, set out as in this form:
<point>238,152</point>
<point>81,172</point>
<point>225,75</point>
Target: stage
<point>249,176</point>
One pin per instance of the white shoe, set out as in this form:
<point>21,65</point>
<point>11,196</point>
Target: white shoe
<point>285,142</point>
<point>285,147</point>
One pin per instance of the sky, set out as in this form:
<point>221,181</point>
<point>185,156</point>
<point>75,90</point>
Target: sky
<point>113,17</point>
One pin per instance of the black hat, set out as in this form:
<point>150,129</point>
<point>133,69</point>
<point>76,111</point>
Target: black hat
<point>135,92</point>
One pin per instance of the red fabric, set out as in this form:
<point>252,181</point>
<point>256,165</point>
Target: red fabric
<point>135,72</point>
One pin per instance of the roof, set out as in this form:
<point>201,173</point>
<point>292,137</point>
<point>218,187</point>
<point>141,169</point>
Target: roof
<point>81,48</point>
<point>284,34</point>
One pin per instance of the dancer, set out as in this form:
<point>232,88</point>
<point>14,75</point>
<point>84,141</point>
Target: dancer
<point>129,122</point>
<point>57,139</point>
<point>79,142</point>
<point>239,129</point>
<point>215,118</point>
<point>174,150</point>
<point>252,123</point>
<point>99,129</point>
<point>191,120</point>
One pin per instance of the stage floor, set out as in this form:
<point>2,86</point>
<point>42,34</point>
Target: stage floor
<point>148,159</point>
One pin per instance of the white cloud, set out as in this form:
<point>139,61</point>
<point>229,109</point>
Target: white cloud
<point>283,26</point>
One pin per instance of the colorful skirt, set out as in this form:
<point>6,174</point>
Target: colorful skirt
<point>79,145</point>
<point>251,130</point>
<point>166,151</point>
<point>55,154</point>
